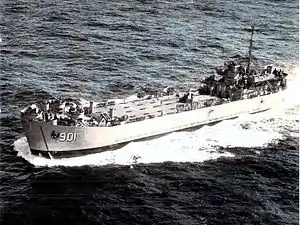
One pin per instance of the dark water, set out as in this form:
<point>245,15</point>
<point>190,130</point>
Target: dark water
<point>239,172</point>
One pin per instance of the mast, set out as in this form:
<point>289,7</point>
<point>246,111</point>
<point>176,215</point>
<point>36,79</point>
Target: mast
<point>250,48</point>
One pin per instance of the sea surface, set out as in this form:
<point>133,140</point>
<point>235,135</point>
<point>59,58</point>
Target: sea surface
<point>242,171</point>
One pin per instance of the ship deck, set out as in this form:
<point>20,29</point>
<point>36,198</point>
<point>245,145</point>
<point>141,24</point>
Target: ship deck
<point>141,109</point>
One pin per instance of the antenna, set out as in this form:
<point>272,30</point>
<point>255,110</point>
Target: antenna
<point>250,48</point>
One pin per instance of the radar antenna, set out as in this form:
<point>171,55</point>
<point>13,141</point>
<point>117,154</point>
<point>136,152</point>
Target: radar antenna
<point>250,48</point>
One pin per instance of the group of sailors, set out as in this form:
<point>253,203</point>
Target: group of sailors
<point>56,111</point>
<point>67,113</point>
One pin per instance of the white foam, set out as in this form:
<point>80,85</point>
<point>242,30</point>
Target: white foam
<point>154,151</point>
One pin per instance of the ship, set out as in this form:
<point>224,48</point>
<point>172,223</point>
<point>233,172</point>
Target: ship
<point>67,127</point>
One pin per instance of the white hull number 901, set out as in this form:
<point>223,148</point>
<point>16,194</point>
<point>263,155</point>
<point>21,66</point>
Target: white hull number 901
<point>67,137</point>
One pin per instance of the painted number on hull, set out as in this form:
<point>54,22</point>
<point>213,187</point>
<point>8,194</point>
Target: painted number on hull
<point>69,137</point>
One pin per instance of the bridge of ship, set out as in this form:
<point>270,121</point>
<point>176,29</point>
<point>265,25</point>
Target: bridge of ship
<point>137,110</point>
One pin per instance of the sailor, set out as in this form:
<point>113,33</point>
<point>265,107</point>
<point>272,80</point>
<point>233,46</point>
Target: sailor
<point>230,92</point>
<point>47,116</point>
<point>266,89</point>
<point>212,90</point>
<point>218,90</point>
<point>242,70</point>
<point>251,79</point>
<point>184,98</point>
<point>223,91</point>
<point>191,100</point>
<point>245,83</point>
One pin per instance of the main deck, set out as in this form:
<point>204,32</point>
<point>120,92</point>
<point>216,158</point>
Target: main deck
<point>151,107</point>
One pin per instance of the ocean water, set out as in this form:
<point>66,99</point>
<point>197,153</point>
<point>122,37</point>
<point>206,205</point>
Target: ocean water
<point>242,171</point>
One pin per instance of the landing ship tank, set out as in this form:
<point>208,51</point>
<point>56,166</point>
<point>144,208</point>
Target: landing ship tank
<point>69,127</point>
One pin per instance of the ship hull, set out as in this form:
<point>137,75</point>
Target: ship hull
<point>51,140</point>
